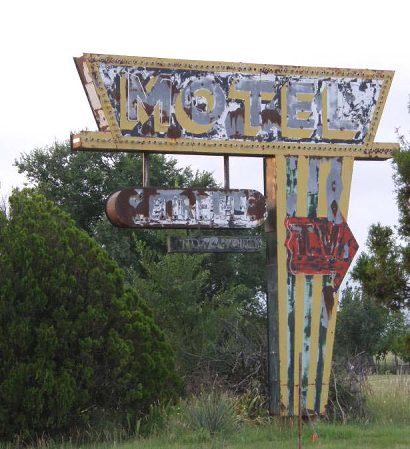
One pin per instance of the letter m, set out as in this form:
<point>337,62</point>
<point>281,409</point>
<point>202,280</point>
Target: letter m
<point>139,103</point>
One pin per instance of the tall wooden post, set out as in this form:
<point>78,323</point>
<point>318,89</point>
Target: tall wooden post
<point>272,285</point>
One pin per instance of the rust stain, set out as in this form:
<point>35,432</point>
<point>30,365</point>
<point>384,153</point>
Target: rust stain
<point>329,299</point>
<point>271,116</point>
<point>136,207</point>
<point>174,132</point>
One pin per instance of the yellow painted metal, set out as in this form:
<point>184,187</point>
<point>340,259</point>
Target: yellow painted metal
<point>112,140</point>
<point>327,359</point>
<point>292,133</point>
<point>314,341</point>
<point>302,187</point>
<point>301,211</point>
<point>347,172</point>
<point>241,67</point>
<point>103,141</point>
<point>324,170</point>
<point>299,318</point>
<point>282,283</point>
<point>248,129</point>
<point>186,122</point>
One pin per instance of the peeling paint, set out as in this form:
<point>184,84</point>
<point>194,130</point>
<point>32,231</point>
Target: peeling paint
<point>203,107</point>
<point>227,105</point>
<point>320,246</point>
<point>136,207</point>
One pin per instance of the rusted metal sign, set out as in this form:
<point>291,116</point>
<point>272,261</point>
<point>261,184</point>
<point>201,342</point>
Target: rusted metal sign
<point>309,123</point>
<point>137,207</point>
<point>320,246</point>
<point>174,106</point>
<point>309,251</point>
<point>215,244</point>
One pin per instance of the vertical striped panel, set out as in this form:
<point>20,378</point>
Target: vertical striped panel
<point>291,341</point>
<point>323,326</point>
<point>291,201</point>
<point>314,340</point>
<point>347,172</point>
<point>318,169</point>
<point>300,298</point>
<point>282,283</point>
<point>307,325</point>
<point>298,344</point>
<point>329,188</point>
<point>313,187</point>
<point>324,170</point>
<point>346,179</point>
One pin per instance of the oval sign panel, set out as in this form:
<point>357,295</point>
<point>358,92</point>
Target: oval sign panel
<point>137,207</point>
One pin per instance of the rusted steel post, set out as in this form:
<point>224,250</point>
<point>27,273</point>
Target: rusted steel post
<point>272,285</point>
<point>145,169</point>
<point>226,172</point>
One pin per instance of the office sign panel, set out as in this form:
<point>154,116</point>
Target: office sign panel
<point>215,244</point>
<point>137,207</point>
<point>144,104</point>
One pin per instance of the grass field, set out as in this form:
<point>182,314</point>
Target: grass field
<point>331,436</point>
<point>389,399</point>
<point>387,427</point>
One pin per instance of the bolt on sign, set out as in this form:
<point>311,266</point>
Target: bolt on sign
<point>309,124</point>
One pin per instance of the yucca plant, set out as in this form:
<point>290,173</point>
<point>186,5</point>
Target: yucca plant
<point>213,412</point>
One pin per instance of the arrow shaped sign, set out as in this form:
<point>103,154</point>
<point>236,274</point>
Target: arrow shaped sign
<point>319,246</point>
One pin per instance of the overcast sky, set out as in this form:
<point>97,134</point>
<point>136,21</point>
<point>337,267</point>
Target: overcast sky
<point>42,98</point>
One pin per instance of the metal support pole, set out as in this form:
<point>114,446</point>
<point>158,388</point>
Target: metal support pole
<point>272,286</point>
<point>226,172</point>
<point>145,170</point>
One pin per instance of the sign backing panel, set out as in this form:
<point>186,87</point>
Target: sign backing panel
<point>200,107</point>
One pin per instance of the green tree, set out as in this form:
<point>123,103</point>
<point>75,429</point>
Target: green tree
<point>402,182</point>
<point>194,289</point>
<point>361,325</point>
<point>381,271</point>
<point>74,342</point>
<point>80,182</point>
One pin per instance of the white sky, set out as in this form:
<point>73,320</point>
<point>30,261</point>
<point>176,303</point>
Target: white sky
<point>42,98</point>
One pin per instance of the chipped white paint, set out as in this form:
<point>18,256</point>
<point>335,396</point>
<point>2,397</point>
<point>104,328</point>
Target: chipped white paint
<point>227,105</point>
<point>150,207</point>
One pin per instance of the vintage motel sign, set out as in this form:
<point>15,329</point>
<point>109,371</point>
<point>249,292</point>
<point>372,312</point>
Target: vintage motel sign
<point>148,207</point>
<point>197,107</point>
<point>215,244</point>
<point>309,124</point>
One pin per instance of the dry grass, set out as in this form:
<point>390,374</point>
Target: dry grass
<point>389,399</point>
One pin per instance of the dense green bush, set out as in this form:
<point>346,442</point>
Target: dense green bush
<point>74,342</point>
